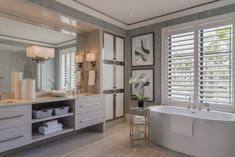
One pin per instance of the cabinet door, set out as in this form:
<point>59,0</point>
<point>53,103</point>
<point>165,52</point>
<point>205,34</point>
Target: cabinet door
<point>119,49</point>
<point>107,77</point>
<point>109,107</point>
<point>119,105</point>
<point>108,52</point>
<point>119,77</point>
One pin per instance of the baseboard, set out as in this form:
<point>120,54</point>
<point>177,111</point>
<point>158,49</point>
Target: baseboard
<point>115,122</point>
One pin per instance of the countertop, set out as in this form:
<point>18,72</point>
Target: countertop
<point>43,99</point>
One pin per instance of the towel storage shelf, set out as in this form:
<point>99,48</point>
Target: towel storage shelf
<point>136,124</point>
<point>38,137</point>
<point>52,117</point>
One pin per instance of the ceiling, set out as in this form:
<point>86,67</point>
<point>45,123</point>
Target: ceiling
<point>131,12</point>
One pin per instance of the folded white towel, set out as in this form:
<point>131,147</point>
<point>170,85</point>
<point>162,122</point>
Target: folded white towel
<point>138,119</point>
<point>44,130</point>
<point>182,124</point>
<point>91,79</point>
<point>52,123</point>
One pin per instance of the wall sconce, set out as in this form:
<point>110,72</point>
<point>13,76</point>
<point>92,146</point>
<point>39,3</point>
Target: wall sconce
<point>90,57</point>
<point>79,60</point>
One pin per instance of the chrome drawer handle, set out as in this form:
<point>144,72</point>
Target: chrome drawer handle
<point>13,117</point>
<point>11,139</point>
<point>86,120</point>
<point>87,105</point>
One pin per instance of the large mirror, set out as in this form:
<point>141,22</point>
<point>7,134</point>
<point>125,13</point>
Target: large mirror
<point>16,36</point>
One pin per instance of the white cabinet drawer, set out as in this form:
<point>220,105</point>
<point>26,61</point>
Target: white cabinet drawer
<point>14,116</point>
<point>15,137</point>
<point>89,104</point>
<point>89,119</point>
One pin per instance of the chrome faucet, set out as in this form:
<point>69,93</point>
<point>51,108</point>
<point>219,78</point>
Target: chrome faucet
<point>207,105</point>
<point>189,101</point>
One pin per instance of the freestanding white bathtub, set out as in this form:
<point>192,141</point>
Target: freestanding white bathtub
<point>213,131</point>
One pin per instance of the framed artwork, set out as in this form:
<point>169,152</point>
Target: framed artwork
<point>144,79</point>
<point>142,50</point>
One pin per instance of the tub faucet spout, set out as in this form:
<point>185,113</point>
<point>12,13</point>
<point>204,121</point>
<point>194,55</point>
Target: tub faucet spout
<point>189,101</point>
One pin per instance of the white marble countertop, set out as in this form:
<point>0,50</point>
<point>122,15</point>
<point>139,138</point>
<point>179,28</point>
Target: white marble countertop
<point>43,99</point>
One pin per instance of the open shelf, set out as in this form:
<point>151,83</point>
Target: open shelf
<point>36,136</point>
<point>51,118</point>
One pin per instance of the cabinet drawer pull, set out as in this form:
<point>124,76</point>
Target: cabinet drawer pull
<point>12,117</point>
<point>11,139</point>
<point>87,105</point>
<point>86,120</point>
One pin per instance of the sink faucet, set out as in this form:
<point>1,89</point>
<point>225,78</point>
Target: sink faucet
<point>207,105</point>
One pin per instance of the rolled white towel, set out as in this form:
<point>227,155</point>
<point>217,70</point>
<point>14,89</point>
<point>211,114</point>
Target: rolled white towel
<point>50,123</point>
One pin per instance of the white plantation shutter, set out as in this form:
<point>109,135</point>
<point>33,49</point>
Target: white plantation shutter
<point>199,62</point>
<point>180,66</point>
<point>215,65</point>
<point>68,68</point>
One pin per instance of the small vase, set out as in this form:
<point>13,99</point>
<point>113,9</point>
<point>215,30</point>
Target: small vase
<point>140,103</point>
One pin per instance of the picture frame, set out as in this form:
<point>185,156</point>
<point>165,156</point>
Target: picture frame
<point>142,50</point>
<point>148,75</point>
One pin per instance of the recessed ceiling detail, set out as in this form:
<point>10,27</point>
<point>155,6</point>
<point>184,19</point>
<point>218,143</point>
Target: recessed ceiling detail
<point>130,14</point>
<point>132,11</point>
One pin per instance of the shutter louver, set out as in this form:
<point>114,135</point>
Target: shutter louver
<point>215,65</point>
<point>181,66</point>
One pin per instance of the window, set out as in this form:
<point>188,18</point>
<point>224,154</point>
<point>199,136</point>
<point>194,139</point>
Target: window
<point>68,68</point>
<point>215,65</point>
<point>198,62</point>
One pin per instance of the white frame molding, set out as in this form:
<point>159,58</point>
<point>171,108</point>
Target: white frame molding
<point>195,26</point>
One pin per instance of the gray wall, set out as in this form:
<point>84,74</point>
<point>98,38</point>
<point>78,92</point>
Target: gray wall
<point>156,28</point>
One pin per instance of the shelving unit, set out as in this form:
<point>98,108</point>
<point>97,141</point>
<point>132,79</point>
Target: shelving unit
<point>52,118</point>
<point>66,119</point>
<point>139,111</point>
<point>38,137</point>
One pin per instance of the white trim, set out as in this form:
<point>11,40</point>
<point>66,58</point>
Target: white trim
<point>99,15</point>
<point>196,25</point>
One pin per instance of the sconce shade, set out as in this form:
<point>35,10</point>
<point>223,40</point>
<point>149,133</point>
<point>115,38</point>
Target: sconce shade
<point>39,53</point>
<point>90,57</point>
<point>79,59</point>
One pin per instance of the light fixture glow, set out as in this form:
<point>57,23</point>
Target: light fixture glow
<point>79,60</point>
<point>40,54</point>
<point>90,57</point>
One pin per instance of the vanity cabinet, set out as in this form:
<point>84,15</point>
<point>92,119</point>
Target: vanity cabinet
<point>18,128</point>
<point>15,127</point>
<point>14,116</point>
<point>15,137</point>
<point>89,111</point>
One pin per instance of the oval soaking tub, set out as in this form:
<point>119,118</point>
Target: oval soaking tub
<point>191,131</point>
